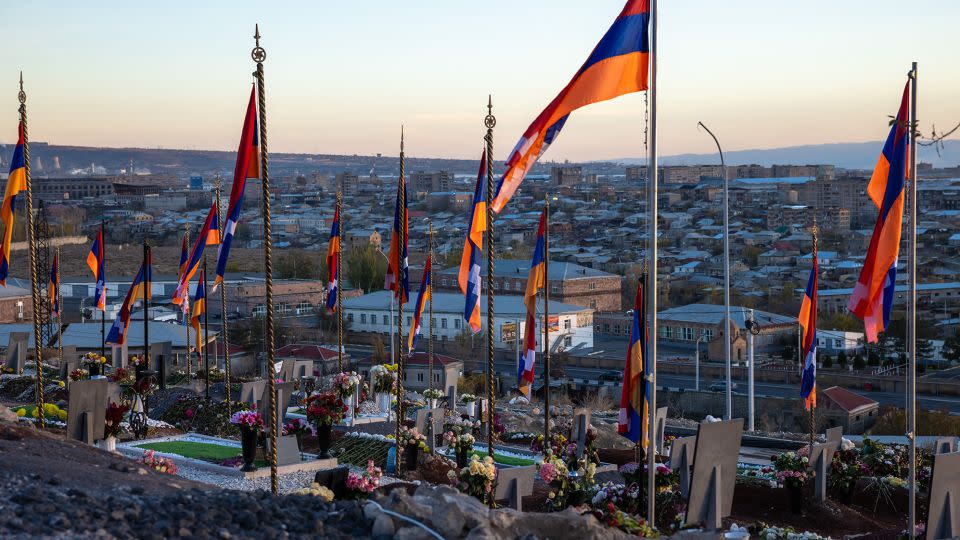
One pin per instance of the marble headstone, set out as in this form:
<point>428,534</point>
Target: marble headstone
<point>943,515</point>
<point>86,410</point>
<point>714,473</point>
<point>514,483</point>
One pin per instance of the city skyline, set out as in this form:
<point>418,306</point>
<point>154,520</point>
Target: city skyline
<point>98,80</point>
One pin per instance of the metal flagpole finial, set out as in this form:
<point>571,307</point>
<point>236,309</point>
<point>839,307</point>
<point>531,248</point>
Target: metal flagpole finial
<point>258,53</point>
<point>21,95</point>
<point>401,137</point>
<point>490,120</point>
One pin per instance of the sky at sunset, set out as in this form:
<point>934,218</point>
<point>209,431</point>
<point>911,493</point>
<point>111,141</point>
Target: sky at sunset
<point>343,76</point>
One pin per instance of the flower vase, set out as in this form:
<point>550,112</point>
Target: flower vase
<point>350,402</point>
<point>472,409</point>
<point>94,370</point>
<point>410,454</point>
<point>433,402</point>
<point>846,493</point>
<point>795,492</point>
<point>383,403</point>
<point>323,440</point>
<point>109,444</point>
<point>461,457</point>
<point>138,372</point>
<point>248,441</point>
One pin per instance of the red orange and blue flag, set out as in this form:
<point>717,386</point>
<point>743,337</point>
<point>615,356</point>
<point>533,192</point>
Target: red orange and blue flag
<point>208,236</point>
<point>425,291</point>
<point>199,308</point>
<point>808,338</point>
<point>634,404</point>
<point>185,296</point>
<point>16,182</point>
<point>617,66</point>
<point>470,260</point>
<point>536,280</point>
<point>247,166</point>
<point>873,295</point>
<point>97,262</point>
<point>138,288</point>
<point>53,286</point>
<point>398,275</point>
<point>528,355</point>
<point>333,260</point>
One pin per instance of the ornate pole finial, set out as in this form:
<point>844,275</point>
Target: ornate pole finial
<point>21,95</point>
<point>490,120</point>
<point>401,138</point>
<point>258,53</point>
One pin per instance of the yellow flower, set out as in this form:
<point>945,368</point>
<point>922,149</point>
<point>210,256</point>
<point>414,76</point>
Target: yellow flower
<point>62,415</point>
<point>488,459</point>
<point>60,384</point>
<point>21,412</point>
<point>34,413</point>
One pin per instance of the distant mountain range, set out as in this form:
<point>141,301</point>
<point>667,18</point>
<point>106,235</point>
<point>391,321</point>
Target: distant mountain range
<point>846,155</point>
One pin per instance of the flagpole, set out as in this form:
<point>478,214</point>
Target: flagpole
<point>814,231</point>
<point>651,356</point>
<point>146,308</point>
<point>103,312</point>
<point>223,306</point>
<point>206,335</point>
<point>339,284</point>
<point>912,324</point>
<point>546,323</point>
<point>430,309</point>
<point>259,55</point>
<point>34,288</point>
<point>186,232</point>
<point>59,312</point>
<point>402,202</point>
<point>490,121</point>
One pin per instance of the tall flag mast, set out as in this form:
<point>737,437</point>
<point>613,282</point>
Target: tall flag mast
<point>808,340</point>
<point>650,364</point>
<point>97,262</point>
<point>22,173</point>
<point>490,121</point>
<point>912,324</point>
<point>333,277</point>
<point>221,227</point>
<point>397,280</point>
<point>259,55</point>
<point>430,313</point>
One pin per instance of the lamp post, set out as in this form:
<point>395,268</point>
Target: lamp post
<point>393,328</point>
<point>696,363</point>
<point>726,272</point>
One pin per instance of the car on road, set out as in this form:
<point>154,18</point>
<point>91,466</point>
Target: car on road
<point>613,376</point>
<point>721,386</point>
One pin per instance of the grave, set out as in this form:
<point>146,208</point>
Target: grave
<point>452,397</point>
<point>287,449</point>
<point>714,473</point>
<point>292,370</point>
<point>118,355</point>
<point>71,361</point>
<point>161,360</point>
<point>945,445</point>
<point>578,433</point>
<point>681,458</point>
<point>835,435</point>
<point>430,418</point>
<point>16,354</point>
<point>660,423</point>
<point>943,515</point>
<point>86,410</point>
<point>251,392</point>
<point>820,458</point>
<point>514,484</point>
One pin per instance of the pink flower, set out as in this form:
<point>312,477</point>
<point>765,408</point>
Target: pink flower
<point>547,472</point>
<point>188,413</point>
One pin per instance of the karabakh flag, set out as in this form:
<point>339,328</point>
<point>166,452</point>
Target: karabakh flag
<point>808,340</point>
<point>208,236</point>
<point>617,66</point>
<point>16,183</point>
<point>333,269</point>
<point>873,295</point>
<point>536,280</point>
<point>185,297</point>
<point>422,298</point>
<point>634,407</point>
<point>53,287</point>
<point>528,355</point>
<point>398,277</point>
<point>199,307</point>
<point>470,260</point>
<point>248,166</point>
<point>139,287</point>
<point>97,261</point>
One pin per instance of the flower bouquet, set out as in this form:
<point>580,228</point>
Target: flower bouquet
<point>122,376</point>
<point>345,384</point>
<point>461,444</point>
<point>412,442</point>
<point>159,463</point>
<point>362,485</point>
<point>790,470</point>
<point>324,410</point>
<point>299,428</point>
<point>94,363</point>
<point>250,423</point>
<point>384,378</point>
<point>477,479</point>
<point>138,361</point>
<point>432,395</point>
<point>470,401</point>
<point>112,419</point>
<point>78,374</point>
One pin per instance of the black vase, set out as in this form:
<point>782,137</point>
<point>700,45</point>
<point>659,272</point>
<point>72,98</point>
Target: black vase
<point>846,493</point>
<point>461,458</point>
<point>795,492</point>
<point>248,438</point>
<point>323,440</point>
<point>138,372</point>
<point>410,455</point>
<point>94,370</point>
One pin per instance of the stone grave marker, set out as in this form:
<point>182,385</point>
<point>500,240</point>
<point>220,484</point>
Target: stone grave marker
<point>681,458</point>
<point>581,423</point>
<point>118,355</point>
<point>945,445</point>
<point>436,424</point>
<point>514,483</point>
<point>161,358</point>
<point>714,473</point>
<point>451,397</point>
<point>943,515</point>
<point>661,425</point>
<point>835,435</point>
<point>16,354</point>
<point>86,410</point>
<point>425,420</point>
<point>71,361</point>
<point>301,369</point>
<point>820,458</point>
<point>335,479</point>
<point>251,392</point>
<point>287,450</point>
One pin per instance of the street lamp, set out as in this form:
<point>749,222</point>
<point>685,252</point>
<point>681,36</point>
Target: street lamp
<point>726,270</point>
<point>393,328</point>
<point>697,362</point>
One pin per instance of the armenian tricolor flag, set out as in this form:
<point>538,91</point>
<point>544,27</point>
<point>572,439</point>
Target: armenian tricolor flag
<point>185,297</point>
<point>634,407</point>
<point>16,183</point>
<point>398,276</point>
<point>528,355</point>
<point>97,261</point>
<point>617,66</point>
<point>873,295</point>
<point>422,298</point>
<point>536,280</point>
<point>808,339</point>
<point>199,308</point>
<point>208,236</point>
<point>139,287</point>
<point>248,166</point>
<point>333,268</point>
<point>53,286</point>
<point>470,261</point>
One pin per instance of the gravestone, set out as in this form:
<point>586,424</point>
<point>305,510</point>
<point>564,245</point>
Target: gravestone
<point>119,355</point>
<point>714,473</point>
<point>161,359</point>
<point>451,397</point>
<point>16,355</point>
<point>334,479</point>
<point>86,410</point>
<point>835,435</point>
<point>251,392</point>
<point>423,417</point>
<point>284,391</point>
<point>660,422</point>
<point>945,445</point>
<point>820,458</point>
<point>514,483</point>
<point>578,433</point>
<point>943,515</point>
<point>436,424</point>
<point>292,370</point>
<point>681,458</point>
<point>287,449</point>
<point>71,361</point>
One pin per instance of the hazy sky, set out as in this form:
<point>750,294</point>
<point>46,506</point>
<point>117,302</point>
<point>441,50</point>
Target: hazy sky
<point>343,76</point>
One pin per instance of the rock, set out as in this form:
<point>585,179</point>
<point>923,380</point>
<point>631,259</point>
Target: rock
<point>6,415</point>
<point>412,533</point>
<point>382,527</point>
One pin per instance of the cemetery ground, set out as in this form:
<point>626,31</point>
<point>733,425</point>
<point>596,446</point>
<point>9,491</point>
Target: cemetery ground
<point>167,484</point>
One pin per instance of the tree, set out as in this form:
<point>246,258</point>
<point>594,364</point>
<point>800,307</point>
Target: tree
<point>873,358</point>
<point>299,265</point>
<point>924,352</point>
<point>827,361</point>
<point>366,268</point>
<point>858,362</point>
<point>380,354</point>
<point>840,321</point>
<point>842,359</point>
<point>951,348</point>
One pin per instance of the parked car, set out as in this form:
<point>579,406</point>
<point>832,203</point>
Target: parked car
<point>610,376</point>
<point>721,386</point>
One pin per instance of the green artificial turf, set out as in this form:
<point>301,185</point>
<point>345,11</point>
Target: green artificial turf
<point>195,450</point>
<point>505,460</point>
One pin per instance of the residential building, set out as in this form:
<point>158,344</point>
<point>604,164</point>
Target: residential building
<point>841,407</point>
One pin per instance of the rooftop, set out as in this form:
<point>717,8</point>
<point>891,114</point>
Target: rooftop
<point>446,303</point>
<point>713,314</point>
<point>847,400</point>
<point>558,270</point>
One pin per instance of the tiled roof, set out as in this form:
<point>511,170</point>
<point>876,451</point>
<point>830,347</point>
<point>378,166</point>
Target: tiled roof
<point>308,351</point>
<point>847,400</point>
